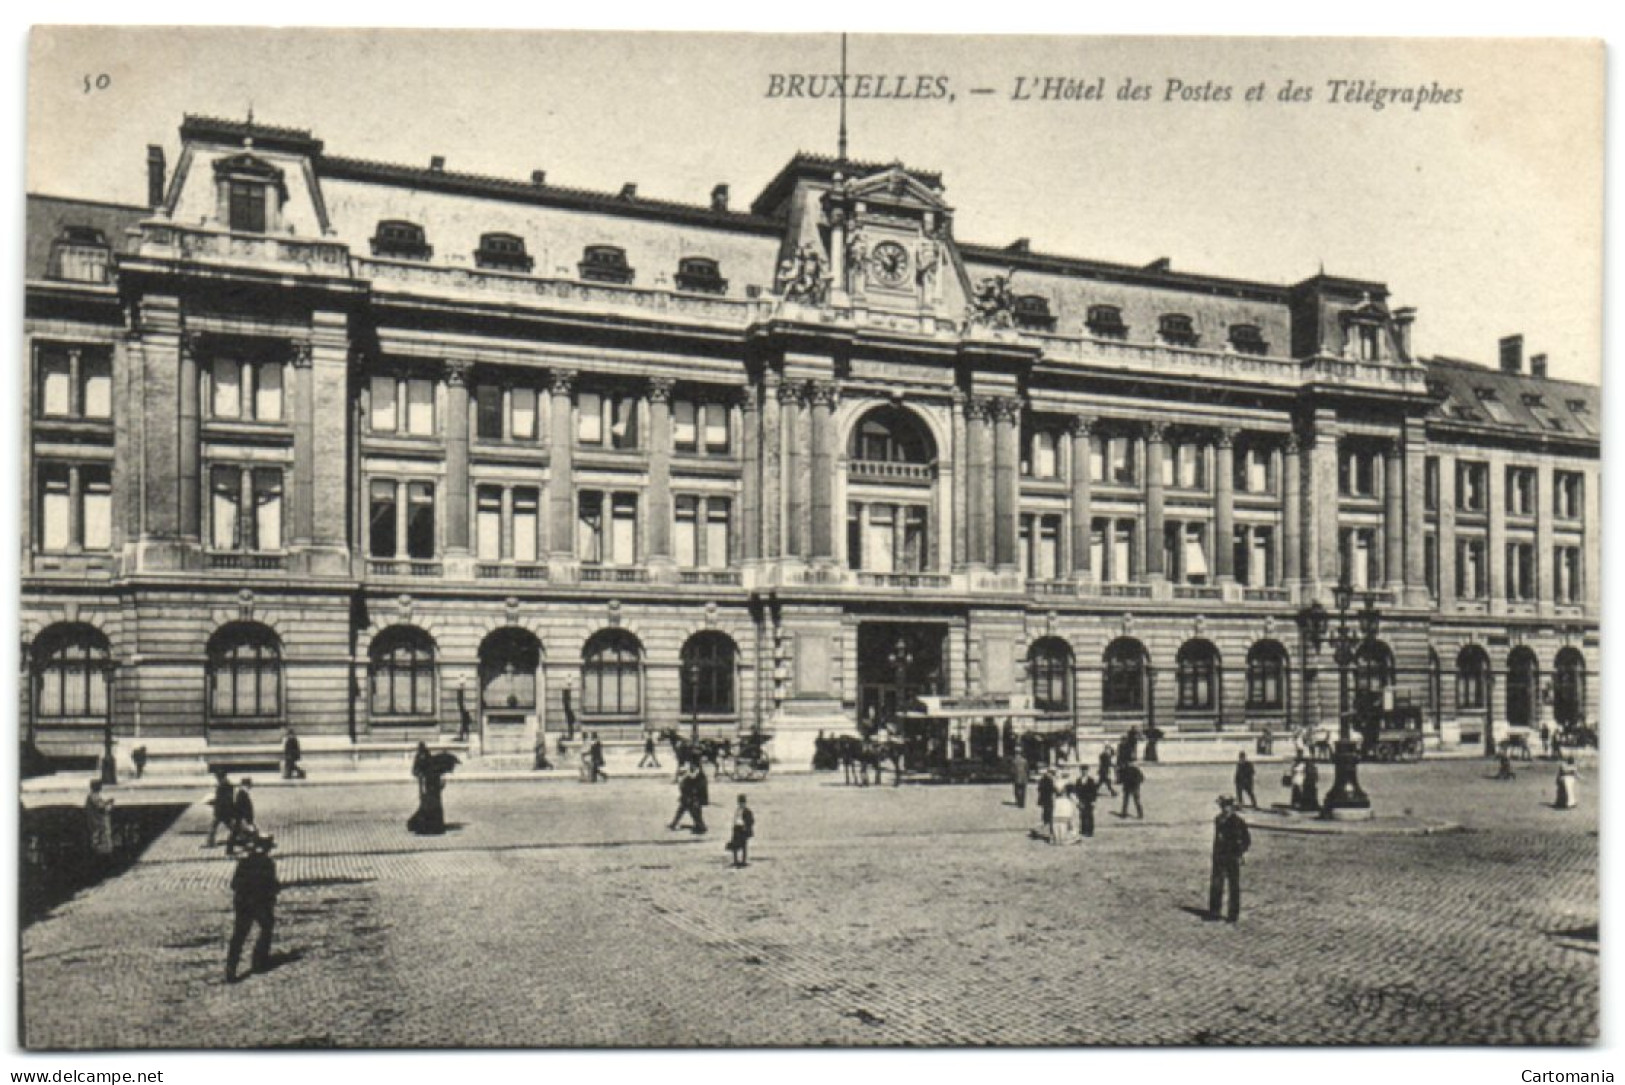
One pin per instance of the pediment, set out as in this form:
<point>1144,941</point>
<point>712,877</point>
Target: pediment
<point>895,186</point>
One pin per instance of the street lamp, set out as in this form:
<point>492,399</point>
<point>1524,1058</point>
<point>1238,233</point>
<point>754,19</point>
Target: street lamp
<point>1346,799</point>
<point>692,670</point>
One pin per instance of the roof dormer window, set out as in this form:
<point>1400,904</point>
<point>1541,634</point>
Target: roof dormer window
<point>1177,329</point>
<point>1492,404</point>
<point>401,240</point>
<point>605,264</point>
<point>250,193</point>
<point>80,254</point>
<point>505,252</point>
<point>701,275</point>
<point>1106,322</point>
<point>1031,311</point>
<point>1248,339</point>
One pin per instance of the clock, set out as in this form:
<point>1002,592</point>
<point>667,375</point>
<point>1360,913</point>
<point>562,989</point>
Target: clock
<point>890,263</point>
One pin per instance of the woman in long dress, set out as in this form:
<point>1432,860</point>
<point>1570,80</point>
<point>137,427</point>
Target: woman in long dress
<point>1568,796</point>
<point>99,820</point>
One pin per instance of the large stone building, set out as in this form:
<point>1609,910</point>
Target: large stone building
<point>385,452</point>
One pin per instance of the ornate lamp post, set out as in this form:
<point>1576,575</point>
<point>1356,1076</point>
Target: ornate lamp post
<point>1346,799</point>
<point>692,670</point>
<point>901,659</point>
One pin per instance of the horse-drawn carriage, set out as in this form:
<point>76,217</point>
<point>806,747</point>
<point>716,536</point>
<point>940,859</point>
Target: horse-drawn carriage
<point>1390,729</point>
<point>964,738</point>
<point>749,762</point>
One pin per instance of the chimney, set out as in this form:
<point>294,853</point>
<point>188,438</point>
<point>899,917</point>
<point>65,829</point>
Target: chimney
<point>1403,319</point>
<point>438,163</point>
<point>1020,244</point>
<point>1537,366</point>
<point>155,175</point>
<point>629,191</point>
<point>538,177</point>
<point>1512,354</point>
<point>1161,263</point>
<point>719,198</point>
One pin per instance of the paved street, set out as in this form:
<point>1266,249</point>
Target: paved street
<point>561,915</point>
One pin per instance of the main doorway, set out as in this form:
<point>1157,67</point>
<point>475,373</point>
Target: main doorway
<point>898,662</point>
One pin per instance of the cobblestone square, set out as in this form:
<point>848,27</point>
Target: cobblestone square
<point>557,915</point>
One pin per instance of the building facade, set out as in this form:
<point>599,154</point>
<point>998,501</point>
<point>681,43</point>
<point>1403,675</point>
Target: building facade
<point>384,453</point>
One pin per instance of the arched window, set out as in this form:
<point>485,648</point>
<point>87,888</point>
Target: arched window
<point>892,435</point>
<point>505,252</point>
<point>1569,688</point>
<point>1523,686</point>
<point>509,659</point>
<point>1266,677</point>
<point>402,240</point>
<point>1049,665</point>
<point>1198,670</point>
<point>403,672</point>
<point>612,675</point>
<point>1373,670</point>
<point>708,675</point>
<point>1122,687</point>
<point>245,673</point>
<point>1472,679</point>
<point>71,668</point>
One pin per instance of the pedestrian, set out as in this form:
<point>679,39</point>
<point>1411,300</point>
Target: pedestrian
<point>99,822</point>
<point>1505,771</point>
<point>242,817</point>
<point>138,757</point>
<point>1568,779</point>
<point>1106,770</point>
<point>221,808</point>
<point>1018,778</point>
<point>254,889</point>
<point>1153,735</point>
<point>1266,741</point>
<point>1131,778</point>
<point>1311,786</point>
<point>598,772</point>
<point>1244,780</point>
<point>744,829</point>
<point>1088,792</point>
<point>1064,821</point>
<point>1128,747</point>
<point>1046,804</point>
<point>688,798</point>
<point>649,761</point>
<point>290,756</point>
<point>1230,842</point>
<point>586,772</point>
<point>430,817</point>
<point>1296,777</point>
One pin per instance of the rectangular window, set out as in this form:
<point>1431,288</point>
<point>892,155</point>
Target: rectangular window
<point>226,377</point>
<point>524,413</point>
<point>1470,569</point>
<point>383,405</point>
<point>1049,547</point>
<point>590,418</point>
<point>1097,548</point>
<point>1472,487</point>
<point>1124,567</point>
<point>527,503</point>
<point>268,392</point>
<point>267,508</point>
<point>1184,465</point>
<point>1430,561</point>
<point>1569,488</point>
<point>225,507</point>
<point>1566,574</point>
<point>55,383</point>
<point>625,533</point>
<point>1259,464</point>
<point>1520,572</point>
<point>623,428</point>
<point>1024,544</point>
<point>878,542</point>
<point>420,407</point>
<point>1124,468</point>
<point>590,526</point>
<point>247,207</point>
<point>685,434</point>
<point>716,427</point>
<point>1430,484</point>
<point>1196,567</point>
<point>1358,473</point>
<point>1520,487</point>
<point>1041,459</point>
<point>96,494</point>
<point>1257,566</point>
<point>1097,459</point>
<point>716,532</point>
<point>488,412</point>
<point>686,546</point>
<point>381,518</point>
<point>420,532</point>
<point>488,523</point>
<point>55,520</point>
<point>96,383</point>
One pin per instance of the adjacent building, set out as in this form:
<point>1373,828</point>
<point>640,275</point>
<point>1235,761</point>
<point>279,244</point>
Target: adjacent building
<point>385,453</point>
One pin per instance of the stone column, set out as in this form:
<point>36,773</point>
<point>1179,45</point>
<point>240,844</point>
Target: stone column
<point>823,395</point>
<point>1224,506</point>
<point>1081,428</point>
<point>1006,492</point>
<point>981,494</point>
<point>1415,517</point>
<point>771,470</point>
<point>1292,510</point>
<point>791,395</point>
<point>1153,565</point>
<point>750,454</point>
<point>302,522</point>
<point>1321,502</point>
<point>962,481</point>
<point>457,374</point>
<point>660,448</point>
<point>1447,532</point>
<point>561,459</point>
<point>187,438</point>
<point>1393,519</point>
<point>1545,589</point>
<point>1496,559</point>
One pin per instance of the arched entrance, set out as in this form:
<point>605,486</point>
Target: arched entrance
<point>1523,687</point>
<point>897,662</point>
<point>1569,688</point>
<point>510,659</point>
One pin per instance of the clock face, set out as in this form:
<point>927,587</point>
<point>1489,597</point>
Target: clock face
<point>891,263</point>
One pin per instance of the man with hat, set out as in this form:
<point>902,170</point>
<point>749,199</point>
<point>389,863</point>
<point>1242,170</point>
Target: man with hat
<point>242,818</point>
<point>1230,842</point>
<point>254,889</point>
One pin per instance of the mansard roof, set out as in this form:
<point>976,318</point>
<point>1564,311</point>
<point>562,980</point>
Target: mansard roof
<point>1157,273</point>
<point>49,216</point>
<point>1533,405</point>
<point>818,167</point>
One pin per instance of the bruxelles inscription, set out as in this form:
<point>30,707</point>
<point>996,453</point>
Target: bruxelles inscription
<point>1373,94</point>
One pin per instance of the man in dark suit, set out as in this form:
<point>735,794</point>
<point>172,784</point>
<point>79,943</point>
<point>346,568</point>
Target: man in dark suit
<point>1244,780</point>
<point>242,818</point>
<point>222,809</point>
<point>254,889</point>
<point>1230,842</point>
<point>1088,792</point>
<point>290,757</point>
<point>1046,803</point>
<point>1106,770</point>
<point>1018,778</point>
<point>1130,776</point>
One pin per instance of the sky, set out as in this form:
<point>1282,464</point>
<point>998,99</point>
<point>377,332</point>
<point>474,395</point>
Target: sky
<point>1483,212</point>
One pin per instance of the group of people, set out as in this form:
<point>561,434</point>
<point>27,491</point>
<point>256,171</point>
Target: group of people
<point>1067,811</point>
<point>591,763</point>
<point>233,810</point>
<point>254,884</point>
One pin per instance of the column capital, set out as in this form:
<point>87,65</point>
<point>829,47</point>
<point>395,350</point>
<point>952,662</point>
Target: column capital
<point>1292,444</point>
<point>1227,436</point>
<point>191,344</point>
<point>977,408</point>
<point>458,371</point>
<point>660,389</point>
<point>1082,425</point>
<point>1005,408</point>
<point>791,392</point>
<point>1156,431</point>
<point>561,382</point>
<point>823,393</point>
<point>300,353</point>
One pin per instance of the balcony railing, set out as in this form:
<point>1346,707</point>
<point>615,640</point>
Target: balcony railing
<point>168,239</point>
<point>404,568</point>
<point>509,571</point>
<point>252,562</point>
<point>723,577</point>
<point>927,581</point>
<point>1198,591</point>
<point>1051,587</point>
<point>599,574</point>
<point>886,471</point>
<point>1267,595</point>
<point>1124,591</point>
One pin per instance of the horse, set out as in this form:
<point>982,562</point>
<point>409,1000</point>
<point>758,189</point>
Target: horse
<point>706,751</point>
<point>849,749</point>
<point>876,751</point>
